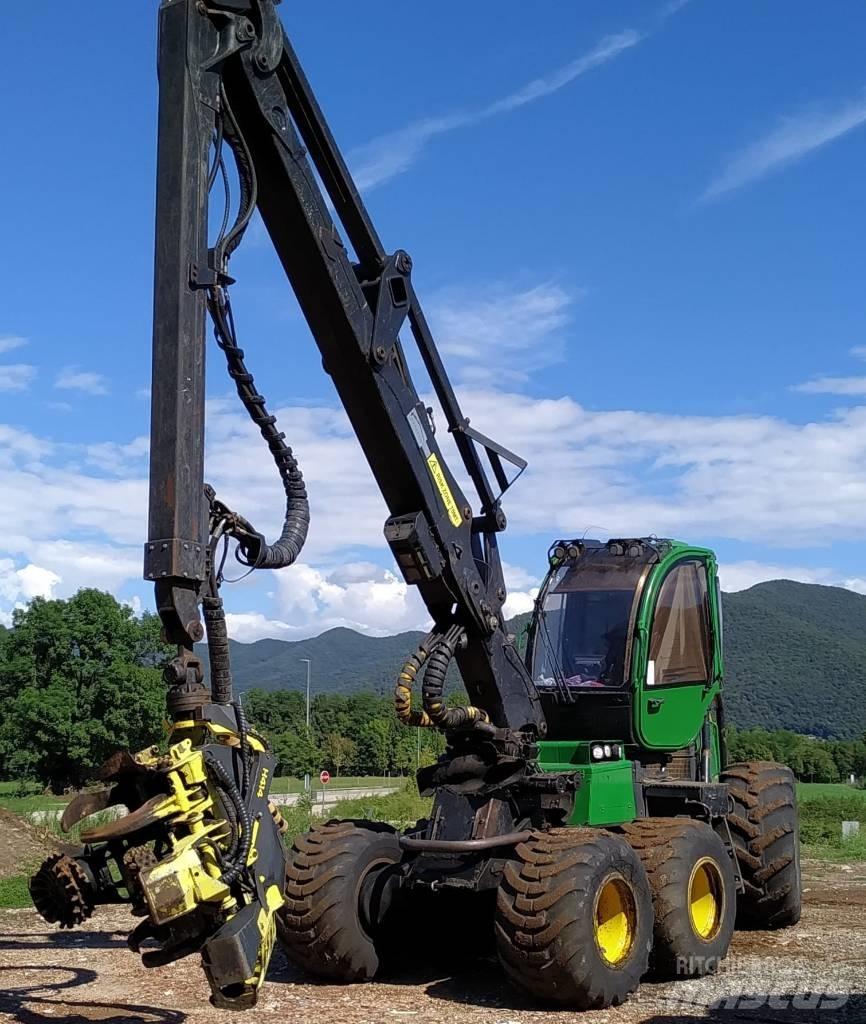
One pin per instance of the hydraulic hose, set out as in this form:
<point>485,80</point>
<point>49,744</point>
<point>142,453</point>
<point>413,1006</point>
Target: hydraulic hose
<point>217,650</point>
<point>239,853</point>
<point>403,690</point>
<point>285,550</point>
<point>433,688</point>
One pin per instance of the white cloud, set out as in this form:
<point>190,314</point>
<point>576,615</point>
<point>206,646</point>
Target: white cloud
<point>79,511</point>
<point>37,581</point>
<point>16,376</point>
<point>117,458</point>
<point>745,477</point>
<point>826,385</point>
<point>794,137</point>
<point>833,386</point>
<point>608,48</point>
<point>357,595</point>
<point>366,598</point>
<point>72,379</point>
<point>17,586</point>
<point>391,154</point>
<point>499,328</point>
<point>9,342</point>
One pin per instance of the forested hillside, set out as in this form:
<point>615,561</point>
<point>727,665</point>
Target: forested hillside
<point>795,658</point>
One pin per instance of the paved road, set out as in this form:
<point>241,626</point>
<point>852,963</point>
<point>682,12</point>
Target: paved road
<point>331,797</point>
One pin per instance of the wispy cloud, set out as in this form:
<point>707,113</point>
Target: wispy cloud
<point>391,154</point>
<point>8,342</point>
<point>794,137</point>
<point>503,329</point>
<point>826,385</point>
<point>72,379</point>
<point>833,386</point>
<point>16,377</point>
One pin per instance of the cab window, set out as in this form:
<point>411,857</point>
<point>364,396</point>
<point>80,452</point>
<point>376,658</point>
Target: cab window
<point>680,645</point>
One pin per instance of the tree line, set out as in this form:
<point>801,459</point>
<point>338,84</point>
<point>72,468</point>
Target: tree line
<point>810,758</point>
<point>356,734</point>
<point>80,678</point>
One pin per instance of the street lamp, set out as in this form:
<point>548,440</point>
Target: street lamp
<point>308,663</point>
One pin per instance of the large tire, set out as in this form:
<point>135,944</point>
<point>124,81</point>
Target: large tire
<point>574,918</point>
<point>766,835</point>
<point>322,926</point>
<point>691,877</point>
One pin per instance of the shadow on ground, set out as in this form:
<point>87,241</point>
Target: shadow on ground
<point>23,991</point>
<point>62,940</point>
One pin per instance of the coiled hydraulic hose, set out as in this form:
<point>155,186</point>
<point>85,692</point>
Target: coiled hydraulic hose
<point>436,651</point>
<point>433,688</point>
<point>403,690</point>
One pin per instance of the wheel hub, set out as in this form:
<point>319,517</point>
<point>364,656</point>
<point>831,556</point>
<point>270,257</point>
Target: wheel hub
<point>614,920</point>
<point>706,894</point>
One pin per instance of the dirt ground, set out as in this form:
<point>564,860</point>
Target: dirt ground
<point>814,972</point>
<point>20,845</point>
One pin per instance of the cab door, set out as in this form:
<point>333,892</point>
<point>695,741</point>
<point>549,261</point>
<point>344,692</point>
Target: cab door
<point>677,668</point>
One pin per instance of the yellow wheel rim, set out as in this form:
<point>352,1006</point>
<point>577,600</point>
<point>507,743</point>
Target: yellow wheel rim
<point>614,920</point>
<point>706,898</point>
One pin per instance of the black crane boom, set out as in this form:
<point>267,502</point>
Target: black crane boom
<point>228,72</point>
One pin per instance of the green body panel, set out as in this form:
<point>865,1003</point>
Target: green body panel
<point>670,717</point>
<point>605,795</point>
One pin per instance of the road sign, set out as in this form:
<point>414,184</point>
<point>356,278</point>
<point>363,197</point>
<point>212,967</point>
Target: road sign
<point>325,777</point>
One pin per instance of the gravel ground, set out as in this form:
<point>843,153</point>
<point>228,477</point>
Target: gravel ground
<point>814,972</point>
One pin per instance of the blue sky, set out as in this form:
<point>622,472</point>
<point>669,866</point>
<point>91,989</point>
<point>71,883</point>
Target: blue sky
<point>636,227</point>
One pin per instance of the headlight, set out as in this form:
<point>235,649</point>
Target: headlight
<point>607,750</point>
<point>597,752</point>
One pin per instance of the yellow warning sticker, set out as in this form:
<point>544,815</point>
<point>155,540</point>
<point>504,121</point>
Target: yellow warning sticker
<point>444,490</point>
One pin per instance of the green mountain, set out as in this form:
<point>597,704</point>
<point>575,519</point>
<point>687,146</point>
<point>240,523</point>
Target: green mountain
<point>795,659</point>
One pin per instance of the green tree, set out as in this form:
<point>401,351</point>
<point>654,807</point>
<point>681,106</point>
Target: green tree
<point>296,754</point>
<point>79,678</point>
<point>339,751</point>
<point>375,749</point>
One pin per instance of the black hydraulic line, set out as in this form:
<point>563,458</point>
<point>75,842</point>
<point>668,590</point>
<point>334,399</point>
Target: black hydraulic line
<point>217,649</point>
<point>238,864</point>
<point>254,551</point>
<point>246,756</point>
<point>462,845</point>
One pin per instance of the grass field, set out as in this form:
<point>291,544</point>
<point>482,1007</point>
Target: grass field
<point>14,893</point>
<point>807,790</point>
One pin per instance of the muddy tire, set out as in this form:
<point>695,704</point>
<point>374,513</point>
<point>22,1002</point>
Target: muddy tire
<point>691,878</point>
<point>333,922</point>
<point>764,828</point>
<point>574,919</point>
